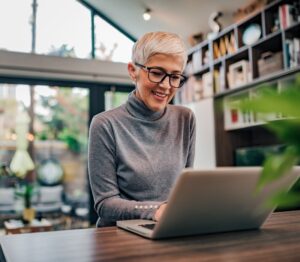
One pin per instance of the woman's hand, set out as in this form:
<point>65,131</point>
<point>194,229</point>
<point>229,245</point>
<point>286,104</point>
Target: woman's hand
<point>159,212</point>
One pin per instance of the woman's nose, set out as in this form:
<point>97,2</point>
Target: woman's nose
<point>165,83</point>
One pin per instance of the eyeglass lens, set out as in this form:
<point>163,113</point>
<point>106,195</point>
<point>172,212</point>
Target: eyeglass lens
<point>157,75</point>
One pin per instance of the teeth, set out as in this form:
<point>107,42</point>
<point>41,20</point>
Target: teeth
<point>160,94</point>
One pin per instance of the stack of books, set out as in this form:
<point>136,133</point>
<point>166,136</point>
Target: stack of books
<point>288,15</point>
<point>292,48</point>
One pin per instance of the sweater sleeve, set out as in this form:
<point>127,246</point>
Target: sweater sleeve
<point>102,166</point>
<point>192,141</point>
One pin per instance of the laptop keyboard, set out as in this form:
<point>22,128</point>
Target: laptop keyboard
<point>149,226</point>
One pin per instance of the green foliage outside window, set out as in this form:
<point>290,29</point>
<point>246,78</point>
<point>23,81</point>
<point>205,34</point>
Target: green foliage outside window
<point>66,119</point>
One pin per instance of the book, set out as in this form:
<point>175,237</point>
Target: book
<point>222,78</point>
<point>289,52</point>
<point>217,86</point>
<point>189,68</point>
<point>206,57</point>
<point>229,49</point>
<point>219,79</point>
<point>286,16</point>
<point>216,50</point>
<point>292,51</point>
<point>222,47</point>
<point>198,89</point>
<point>207,81</point>
<point>196,61</point>
<point>296,53</point>
<point>232,43</point>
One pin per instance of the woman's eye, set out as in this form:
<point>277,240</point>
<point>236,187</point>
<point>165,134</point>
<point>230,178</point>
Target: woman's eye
<point>157,73</point>
<point>175,77</point>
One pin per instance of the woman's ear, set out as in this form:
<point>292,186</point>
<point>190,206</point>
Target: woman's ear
<point>132,71</point>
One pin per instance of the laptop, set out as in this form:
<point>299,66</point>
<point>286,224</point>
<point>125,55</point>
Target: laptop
<point>211,201</point>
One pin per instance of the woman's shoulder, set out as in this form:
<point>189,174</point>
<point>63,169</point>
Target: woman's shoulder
<point>182,116</point>
<point>181,110</point>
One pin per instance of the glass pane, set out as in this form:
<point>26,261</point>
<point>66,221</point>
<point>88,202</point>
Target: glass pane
<point>60,144</point>
<point>61,126</point>
<point>63,28</point>
<point>15,27</point>
<point>111,45</point>
<point>114,99</point>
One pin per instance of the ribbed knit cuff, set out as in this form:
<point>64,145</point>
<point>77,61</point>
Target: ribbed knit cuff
<point>150,210</point>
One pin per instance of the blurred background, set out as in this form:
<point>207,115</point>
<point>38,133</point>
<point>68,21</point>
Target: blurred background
<point>63,61</point>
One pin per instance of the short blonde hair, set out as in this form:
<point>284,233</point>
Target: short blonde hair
<point>154,43</point>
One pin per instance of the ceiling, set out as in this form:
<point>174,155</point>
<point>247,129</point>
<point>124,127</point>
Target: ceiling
<point>184,17</point>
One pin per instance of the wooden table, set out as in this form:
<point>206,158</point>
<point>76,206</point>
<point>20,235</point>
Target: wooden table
<point>278,240</point>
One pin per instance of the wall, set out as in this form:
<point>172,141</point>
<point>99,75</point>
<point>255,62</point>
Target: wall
<point>205,156</point>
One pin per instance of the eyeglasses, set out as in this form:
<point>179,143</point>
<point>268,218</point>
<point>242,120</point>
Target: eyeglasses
<point>158,75</point>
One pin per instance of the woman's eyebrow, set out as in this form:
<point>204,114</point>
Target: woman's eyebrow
<point>163,69</point>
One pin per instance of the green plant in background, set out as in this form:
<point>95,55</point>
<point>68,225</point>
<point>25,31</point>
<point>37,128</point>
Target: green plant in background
<point>26,191</point>
<point>25,188</point>
<point>71,139</point>
<point>67,118</point>
<point>285,103</point>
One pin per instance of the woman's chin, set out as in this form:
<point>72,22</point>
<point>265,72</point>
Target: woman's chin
<point>157,106</point>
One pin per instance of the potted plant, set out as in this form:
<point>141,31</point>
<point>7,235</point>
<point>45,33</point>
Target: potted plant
<point>287,104</point>
<point>22,165</point>
<point>26,189</point>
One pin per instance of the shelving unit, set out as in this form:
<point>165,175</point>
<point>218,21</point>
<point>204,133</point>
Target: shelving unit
<point>234,118</point>
<point>236,65</point>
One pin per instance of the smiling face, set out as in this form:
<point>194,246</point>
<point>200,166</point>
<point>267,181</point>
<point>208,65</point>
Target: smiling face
<point>156,96</point>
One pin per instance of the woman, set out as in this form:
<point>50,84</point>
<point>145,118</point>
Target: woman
<point>137,150</point>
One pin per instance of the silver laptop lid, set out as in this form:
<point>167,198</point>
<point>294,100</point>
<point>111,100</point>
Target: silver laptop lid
<point>218,200</point>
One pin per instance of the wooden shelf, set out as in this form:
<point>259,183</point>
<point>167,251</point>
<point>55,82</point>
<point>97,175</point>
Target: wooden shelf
<point>259,81</point>
<point>202,70</point>
<point>294,27</point>
<point>275,41</point>
<point>267,38</point>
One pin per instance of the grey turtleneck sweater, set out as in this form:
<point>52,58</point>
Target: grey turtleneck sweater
<point>135,156</point>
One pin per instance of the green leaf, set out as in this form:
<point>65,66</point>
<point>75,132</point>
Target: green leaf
<point>265,102</point>
<point>297,80</point>
<point>269,101</point>
<point>287,131</point>
<point>285,199</point>
<point>276,166</point>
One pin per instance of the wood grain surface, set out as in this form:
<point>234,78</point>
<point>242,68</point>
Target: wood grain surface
<point>278,240</point>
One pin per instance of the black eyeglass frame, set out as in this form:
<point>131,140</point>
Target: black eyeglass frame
<point>148,68</point>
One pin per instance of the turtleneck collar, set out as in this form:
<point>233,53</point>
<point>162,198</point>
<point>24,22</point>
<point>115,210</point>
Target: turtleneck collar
<point>138,109</point>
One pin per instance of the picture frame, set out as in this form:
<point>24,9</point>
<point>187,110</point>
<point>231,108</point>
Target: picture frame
<point>238,74</point>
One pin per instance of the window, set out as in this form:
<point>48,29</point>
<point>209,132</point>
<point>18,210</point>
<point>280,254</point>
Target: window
<point>114,98</point>
<point>110,44</point>
<point>15,27</point>
<point>60,127</point>
<point>63,28</point>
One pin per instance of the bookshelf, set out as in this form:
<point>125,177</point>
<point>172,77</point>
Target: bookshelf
<point>237,119</point>
<point>262,48</point>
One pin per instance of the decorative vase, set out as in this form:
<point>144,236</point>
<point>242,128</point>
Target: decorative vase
<point>28,214</point>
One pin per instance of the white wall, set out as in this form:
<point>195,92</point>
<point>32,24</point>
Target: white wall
<point>205,134</point>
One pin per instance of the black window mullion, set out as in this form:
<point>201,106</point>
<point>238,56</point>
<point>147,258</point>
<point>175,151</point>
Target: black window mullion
<point>93,54</point>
